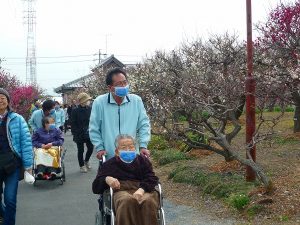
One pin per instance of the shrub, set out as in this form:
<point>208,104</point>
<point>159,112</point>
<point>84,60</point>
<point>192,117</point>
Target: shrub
<point>169,155</point>
<point>238,201</point>
<point>158,142</point>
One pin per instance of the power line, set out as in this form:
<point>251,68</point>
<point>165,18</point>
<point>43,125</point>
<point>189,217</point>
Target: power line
<point>67,56</point>
<point>52,57</point>
<point>58,62</point>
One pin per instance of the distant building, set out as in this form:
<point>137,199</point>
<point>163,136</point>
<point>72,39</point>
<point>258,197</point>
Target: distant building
<point>68,88</point>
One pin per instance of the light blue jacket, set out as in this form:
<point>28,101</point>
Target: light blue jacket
<point>108,120</point>
<point>19,138</point>
<point>60,117</point>
<point>35,120</point>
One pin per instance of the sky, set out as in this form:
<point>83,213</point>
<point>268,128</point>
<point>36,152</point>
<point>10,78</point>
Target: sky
<point>131,30</point>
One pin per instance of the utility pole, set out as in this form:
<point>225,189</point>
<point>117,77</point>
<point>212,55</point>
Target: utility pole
<point>99,57</point>
<point>106,35</point>
<point>30,19</point>
<point>250,94</point>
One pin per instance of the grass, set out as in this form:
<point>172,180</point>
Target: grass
<point>286,140</point>
<point>284,218</point>
<point>254,210</point>
<point>168,156</point>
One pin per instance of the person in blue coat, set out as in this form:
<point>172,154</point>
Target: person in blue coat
<point>15,153</point>
<point>118,112</point>
<point>60,116</point>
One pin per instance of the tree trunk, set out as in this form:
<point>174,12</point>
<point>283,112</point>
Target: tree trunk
<point>296,99</point>
<point>297,118</point>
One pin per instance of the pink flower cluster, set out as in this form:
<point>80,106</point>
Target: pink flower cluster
<point>22,96</point>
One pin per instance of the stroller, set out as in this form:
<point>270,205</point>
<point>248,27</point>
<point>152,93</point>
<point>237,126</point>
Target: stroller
<point>106,214</point>
<point>61,152</point>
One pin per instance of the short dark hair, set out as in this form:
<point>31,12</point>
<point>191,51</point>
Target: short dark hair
<point>56,102</point>
<point>48,104</point>
<point>45,121</point>
<point>112,73</point>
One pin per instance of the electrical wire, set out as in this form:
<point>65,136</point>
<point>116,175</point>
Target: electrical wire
<point>39,63</point>
<point>51,57</point>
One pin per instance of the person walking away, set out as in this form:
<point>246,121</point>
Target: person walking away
<point>70,109</point>
<point>60,116</point>
<point>66,118</point>
<point>35,120</point>
<point>118,112</point>
<point>80,130</point>
<point>15,153</point>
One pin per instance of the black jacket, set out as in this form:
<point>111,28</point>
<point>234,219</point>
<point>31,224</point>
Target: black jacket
<point>80,123</point>
<point>139,170</point>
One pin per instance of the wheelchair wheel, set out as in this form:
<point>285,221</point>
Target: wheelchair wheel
<point>161,216</point>
<point>98,218</point>
<point>64,172</point>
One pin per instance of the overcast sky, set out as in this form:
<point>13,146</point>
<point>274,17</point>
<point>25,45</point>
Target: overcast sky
<point>128,29</point>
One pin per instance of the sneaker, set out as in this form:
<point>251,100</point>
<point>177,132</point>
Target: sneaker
<point>53,175</point>
<point>39,175</point>
<point>83,169</point>
<point>87,165</point>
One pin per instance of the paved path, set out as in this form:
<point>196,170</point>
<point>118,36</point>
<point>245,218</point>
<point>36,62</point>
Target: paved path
<point>74,203</point>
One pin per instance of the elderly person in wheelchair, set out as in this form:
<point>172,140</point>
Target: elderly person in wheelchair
<point>131,177</point>
<point>46,140</point>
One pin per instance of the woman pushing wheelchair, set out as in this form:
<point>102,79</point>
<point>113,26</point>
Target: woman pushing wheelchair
<point>131,177</point>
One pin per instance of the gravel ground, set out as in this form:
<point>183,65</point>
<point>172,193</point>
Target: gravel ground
<point>180,214</point>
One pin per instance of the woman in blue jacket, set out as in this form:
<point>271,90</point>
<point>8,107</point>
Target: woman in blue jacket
<point>15,152</point>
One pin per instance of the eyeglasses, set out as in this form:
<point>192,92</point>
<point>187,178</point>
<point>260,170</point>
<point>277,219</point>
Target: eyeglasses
<point>121,83</point>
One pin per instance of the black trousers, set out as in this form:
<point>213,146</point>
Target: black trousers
<point>80,147</point>
<point>66,126</point>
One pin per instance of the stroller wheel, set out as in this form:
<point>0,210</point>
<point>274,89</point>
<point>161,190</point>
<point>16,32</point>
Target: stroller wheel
<point>61,181</point>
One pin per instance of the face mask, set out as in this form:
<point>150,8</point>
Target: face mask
<point>127,156</point>
<point>57,107</point>
<point>52,126</point>
<point>52,111</point>
<point>122,91</point>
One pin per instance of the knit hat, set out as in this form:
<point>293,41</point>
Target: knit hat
<point>83,97</point>
<point>4,92</point>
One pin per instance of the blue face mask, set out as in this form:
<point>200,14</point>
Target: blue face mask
<point>127,156</point>
<point>122,91</point>
<point>57,107</point>
<point>52,111</point>
<point>52,126</point>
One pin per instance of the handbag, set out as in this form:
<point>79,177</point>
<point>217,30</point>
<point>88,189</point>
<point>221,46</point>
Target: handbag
<point>9,162</point>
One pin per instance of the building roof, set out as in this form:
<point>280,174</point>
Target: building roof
<point>72,85</point>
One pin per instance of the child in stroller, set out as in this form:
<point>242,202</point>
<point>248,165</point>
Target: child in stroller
<point>46,141</point>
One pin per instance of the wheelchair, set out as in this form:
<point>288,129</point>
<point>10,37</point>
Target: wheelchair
<point>106,214</point>
<point>61,175</point>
